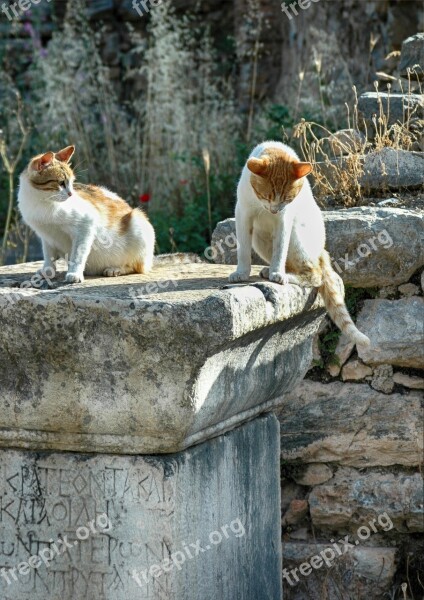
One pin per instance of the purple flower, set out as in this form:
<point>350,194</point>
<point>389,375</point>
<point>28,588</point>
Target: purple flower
<point>29,28</point>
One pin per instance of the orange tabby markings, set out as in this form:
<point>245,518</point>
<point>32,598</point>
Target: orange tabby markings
<point>94,228</point>
<point>277,215</point>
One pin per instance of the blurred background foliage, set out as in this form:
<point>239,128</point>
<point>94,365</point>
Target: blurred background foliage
<point>144,97</point>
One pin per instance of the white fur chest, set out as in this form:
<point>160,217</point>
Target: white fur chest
<point>54,221</point>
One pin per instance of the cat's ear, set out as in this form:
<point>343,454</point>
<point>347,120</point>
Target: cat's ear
<point>258,166</point>
<point>43,161</point>
<point>300,169</point>
<point>65,155</point>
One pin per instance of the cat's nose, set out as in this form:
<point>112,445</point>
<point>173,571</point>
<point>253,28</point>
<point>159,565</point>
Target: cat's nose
<point>69,194</point>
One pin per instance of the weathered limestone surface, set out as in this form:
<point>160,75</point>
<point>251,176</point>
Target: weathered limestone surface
<point>123,365</point>
<point>203,502</point>
<point>390,168</point>
<point>412,56</point>
<point>351,424</point>
<point>369,246</point>
<point>397,107</point>
<point>354,370</point>
<point>381,170</point>
<point>375,247</point>
<point>396,331</point>
<point>366,572</point>
<point>352,498</point>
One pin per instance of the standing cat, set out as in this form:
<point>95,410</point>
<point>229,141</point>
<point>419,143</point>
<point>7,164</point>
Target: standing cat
<point>94,228</point>
<point>277,214</point>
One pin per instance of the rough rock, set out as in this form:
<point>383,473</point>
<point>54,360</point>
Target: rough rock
<point>389,291</point>
<point>382,379</point>
<point>290,491</point>
<point>156,508</point>
<point>409,381</point>
<point>313,474</point>
<point>353,498</point>
<point>422,281</point>
<point>389,202</point>
<point>355,370</point>
<point>333,369</point>
<point>366,572</point>
<point>392,169</point>
<point>343,349</point>
<point>297,510</point>
<point>395,328</point>
<point>369,246</point>
<point>351,424</point>
<point>397,107</point>
<point>299,534</point>
<point>409,289</point>
<point>381,170</point>
<point>412,54</point>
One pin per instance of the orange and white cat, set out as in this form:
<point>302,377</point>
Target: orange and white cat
<point>95,229</point>
<point>276,213</point>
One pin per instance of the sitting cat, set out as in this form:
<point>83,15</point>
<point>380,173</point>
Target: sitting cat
<point>97,231</point>
<point>277,214</point>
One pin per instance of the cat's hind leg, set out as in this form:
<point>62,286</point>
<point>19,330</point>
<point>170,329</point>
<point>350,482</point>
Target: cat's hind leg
<point>309,275</point>
<point>118,271</point>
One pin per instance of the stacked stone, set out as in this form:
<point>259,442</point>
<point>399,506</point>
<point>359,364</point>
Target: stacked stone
<point>379,111</point>
<point>352,446</point>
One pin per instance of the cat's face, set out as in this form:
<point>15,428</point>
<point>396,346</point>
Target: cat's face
<point>51,173</point>
<point>277,178</point>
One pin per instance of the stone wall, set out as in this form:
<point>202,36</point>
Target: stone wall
<point>352,431</point>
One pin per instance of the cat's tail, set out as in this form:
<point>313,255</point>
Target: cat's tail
<point>332,291</point>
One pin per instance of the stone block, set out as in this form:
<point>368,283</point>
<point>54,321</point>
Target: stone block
<point>146,364</point>
<point>355,370</point>
<point>186,526</point>
<point>369,247</point>
<point>412,57</point>
<point>397,108</point>
<point>351,424</point>
<point>365,572</point>
<point>396,331</point>
<point>352,499</point>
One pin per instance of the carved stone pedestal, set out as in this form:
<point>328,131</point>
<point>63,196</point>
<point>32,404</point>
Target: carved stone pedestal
<point>135,460</point>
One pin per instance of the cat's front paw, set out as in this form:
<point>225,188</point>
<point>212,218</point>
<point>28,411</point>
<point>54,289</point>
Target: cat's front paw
<point>238,276</point>
<point>47,273</point>
<point>74,277</point>
<point>278,277</point>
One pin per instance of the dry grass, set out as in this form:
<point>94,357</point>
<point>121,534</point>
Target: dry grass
<point>152,144</point>
<point>12,144</point>
<point>339,162</point>
<point>187,108</point>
